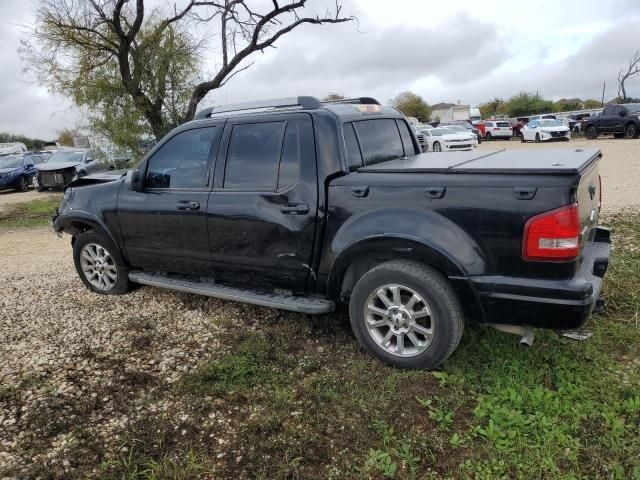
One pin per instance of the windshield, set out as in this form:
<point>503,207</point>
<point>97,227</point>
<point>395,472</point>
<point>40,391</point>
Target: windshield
<point>10,162</point>
<point>549,123</point>
<point>457,128</point>
<point>62,157</point>
<point>441,131</point>
<point>633,107</point>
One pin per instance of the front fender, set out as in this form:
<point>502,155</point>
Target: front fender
<point>72,222</point>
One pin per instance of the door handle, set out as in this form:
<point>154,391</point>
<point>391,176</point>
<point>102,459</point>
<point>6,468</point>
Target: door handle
<point>187,204</point>
<point>297,209</point>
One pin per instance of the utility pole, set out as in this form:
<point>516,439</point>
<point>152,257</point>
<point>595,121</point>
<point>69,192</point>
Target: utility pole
<point>604,84</point>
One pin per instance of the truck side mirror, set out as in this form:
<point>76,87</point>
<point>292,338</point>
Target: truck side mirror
<point>623,113</point>
<point>133,180</point>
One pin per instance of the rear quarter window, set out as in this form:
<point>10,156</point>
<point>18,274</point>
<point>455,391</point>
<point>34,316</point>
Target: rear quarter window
<point>379,140</point>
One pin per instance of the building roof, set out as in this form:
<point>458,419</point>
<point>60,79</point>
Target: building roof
<point>442,106</point>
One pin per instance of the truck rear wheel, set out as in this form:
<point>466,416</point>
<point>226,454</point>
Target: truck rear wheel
<point>630,131</point>
<point>407,315</point>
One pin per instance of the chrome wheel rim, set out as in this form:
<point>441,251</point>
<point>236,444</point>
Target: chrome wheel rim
<point>98,267</point>
<point>399,320</point>
<point>436,147</point>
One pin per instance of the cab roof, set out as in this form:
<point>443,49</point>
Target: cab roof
<point>346,108</point>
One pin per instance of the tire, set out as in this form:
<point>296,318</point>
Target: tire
<point>591,133</point>
<point>437,147</point>
<point>479,139</point>
<point>488,137</point>
<point>630,131</point>
<point>442,326</point>
<point>537,140</point>
<point>100,269</point>
<point>522,140</point>
<point>23,184</point>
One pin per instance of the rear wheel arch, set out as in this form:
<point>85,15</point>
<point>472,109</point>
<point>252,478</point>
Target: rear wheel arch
<point>364,255</point>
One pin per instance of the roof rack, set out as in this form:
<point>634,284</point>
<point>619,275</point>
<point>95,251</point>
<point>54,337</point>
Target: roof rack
<point>359,100</point>
<point>306,103</point>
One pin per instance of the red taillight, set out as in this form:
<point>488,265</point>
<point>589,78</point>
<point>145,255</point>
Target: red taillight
<point>553,235</point>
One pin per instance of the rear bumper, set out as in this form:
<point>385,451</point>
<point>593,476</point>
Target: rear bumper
<point>557,304</point>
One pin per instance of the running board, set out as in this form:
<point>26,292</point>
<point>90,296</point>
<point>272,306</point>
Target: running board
<point>308,305</point>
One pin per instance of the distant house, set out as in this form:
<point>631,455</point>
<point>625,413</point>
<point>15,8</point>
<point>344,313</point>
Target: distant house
<point>439,109</point>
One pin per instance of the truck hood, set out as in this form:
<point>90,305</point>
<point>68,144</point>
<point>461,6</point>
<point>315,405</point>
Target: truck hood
<point>45,167</point>
<point>102,177</point>
<point>549,162</point>
<point>8,170</point>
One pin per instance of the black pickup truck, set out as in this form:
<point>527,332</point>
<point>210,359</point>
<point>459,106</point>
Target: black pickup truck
<point>619,120</point>
<point>304,206</point>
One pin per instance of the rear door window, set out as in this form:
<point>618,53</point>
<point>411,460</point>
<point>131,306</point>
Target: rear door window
<point>503,124</point>
<point>253,156</point>
<point>379,140</point>
<point>289,170</point>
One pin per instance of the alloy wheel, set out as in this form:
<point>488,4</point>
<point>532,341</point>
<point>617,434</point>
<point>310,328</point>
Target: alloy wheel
<point>399,320</point>
<point>24,185</point>
<point>98,267</point>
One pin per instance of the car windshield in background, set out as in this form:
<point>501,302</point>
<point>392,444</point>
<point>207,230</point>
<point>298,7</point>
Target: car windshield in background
<point>633,108</point>
<point>438,132</point>
<point>62,157</point>
<point>10,162</point>
<point>549,123</point>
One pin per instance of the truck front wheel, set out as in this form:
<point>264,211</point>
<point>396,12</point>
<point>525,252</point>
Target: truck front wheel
<point>630,131</point>
<point>591,132</point>
<point>406,314</point>
<point>99,264</point>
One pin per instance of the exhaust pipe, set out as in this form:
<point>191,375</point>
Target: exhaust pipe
<point>526,333</point>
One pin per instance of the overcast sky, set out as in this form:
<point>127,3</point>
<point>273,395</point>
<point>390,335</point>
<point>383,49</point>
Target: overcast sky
<point>465,51</point>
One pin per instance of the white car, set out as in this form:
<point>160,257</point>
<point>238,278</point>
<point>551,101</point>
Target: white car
<point>497,129</point>
<point>445,140</point>
<point>461,129</point>
<point>544,130</point>
<point>11,148</point>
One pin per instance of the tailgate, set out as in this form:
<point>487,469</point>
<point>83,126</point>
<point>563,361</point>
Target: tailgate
<point>589,197</point>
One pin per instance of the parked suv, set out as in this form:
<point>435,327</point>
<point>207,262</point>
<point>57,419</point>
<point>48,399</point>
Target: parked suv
<point>303,205</point>
<point>619,120</point>
<point>497,129</point>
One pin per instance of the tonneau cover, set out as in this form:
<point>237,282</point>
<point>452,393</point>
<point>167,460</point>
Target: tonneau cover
<point>543,161</point>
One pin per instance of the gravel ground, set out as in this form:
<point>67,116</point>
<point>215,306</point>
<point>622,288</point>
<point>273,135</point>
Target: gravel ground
<point>619,167</point>
<point>79,371</point>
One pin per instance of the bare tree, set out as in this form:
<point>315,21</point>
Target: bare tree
<point>626,73</point>
<point>76,38</point>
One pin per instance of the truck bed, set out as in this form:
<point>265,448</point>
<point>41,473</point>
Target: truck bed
<point>546,162</point>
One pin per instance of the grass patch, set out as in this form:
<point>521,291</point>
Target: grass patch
<point>244,369</point>
<point>29,214</point>
<point>302,401</point>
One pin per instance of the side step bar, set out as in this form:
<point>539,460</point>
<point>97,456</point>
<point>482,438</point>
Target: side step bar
<point>310,305</point>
